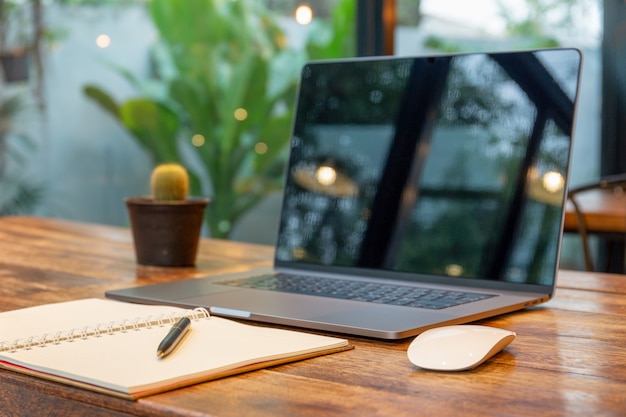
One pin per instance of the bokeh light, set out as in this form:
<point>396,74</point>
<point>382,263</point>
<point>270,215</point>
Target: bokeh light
<point>103,41</point>
<point>304,14</point>
<point>241,114</point>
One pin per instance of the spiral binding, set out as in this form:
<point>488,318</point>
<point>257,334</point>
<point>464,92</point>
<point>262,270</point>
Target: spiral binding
<point>101,329</point>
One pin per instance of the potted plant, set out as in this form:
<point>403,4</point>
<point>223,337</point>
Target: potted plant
<point>225,80</point>
<point>24,37</point>
<point>14,40</point>
<point>166,225</point>
<point>223,97</point>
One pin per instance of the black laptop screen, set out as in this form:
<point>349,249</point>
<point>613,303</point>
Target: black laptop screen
<point>448,165</point>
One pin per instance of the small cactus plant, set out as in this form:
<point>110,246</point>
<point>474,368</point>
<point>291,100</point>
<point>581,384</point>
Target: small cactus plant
<point>169,182</point>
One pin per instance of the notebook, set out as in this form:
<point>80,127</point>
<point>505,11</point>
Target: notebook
<point>111,347</point>
<point>425,190</point>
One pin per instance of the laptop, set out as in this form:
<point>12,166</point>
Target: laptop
<point>419,192</point>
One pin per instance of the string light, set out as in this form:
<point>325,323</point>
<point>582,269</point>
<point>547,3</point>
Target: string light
<point>241,114</point>
<point>260,148</point>
<point>103,41</point>
<point>326,175</point>
<point>304,14</point>
<point>553,181</point>
<point>197,140</point>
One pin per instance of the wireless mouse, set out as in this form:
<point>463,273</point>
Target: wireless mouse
<point>457,348</point>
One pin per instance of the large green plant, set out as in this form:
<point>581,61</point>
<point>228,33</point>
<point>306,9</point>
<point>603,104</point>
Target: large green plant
<point>223,100</point>
<point>222,103</point>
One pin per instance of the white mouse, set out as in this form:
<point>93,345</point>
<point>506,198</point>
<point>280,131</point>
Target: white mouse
<point>457,348</point>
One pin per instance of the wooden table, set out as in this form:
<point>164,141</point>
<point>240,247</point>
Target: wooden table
<point>604,211</point>
<point>569,357</point>
<point>605,216</point>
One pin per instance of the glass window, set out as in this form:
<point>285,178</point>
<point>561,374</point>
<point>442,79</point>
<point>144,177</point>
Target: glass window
<point>112,83</point>
<point>445,26</point>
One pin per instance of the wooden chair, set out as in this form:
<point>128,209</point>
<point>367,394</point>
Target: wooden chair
<point>617,183</point>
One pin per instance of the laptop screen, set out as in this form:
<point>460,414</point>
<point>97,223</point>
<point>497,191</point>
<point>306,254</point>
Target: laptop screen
<point>447,165</point>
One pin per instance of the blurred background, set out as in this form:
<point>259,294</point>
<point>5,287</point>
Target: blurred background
<point>94,93</point>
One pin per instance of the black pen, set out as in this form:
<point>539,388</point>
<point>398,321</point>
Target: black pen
<point>173,337</point>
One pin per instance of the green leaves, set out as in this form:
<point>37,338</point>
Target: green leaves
<point>103,99</point>
<point>337,40</point>
<point>224,78</point>
<point>19,193</point>
<point>154,125</point>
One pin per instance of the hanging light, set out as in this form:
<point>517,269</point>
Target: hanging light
<point>304,14</point>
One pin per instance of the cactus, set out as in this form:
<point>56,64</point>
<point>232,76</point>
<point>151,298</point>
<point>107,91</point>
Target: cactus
<point>169,182</point>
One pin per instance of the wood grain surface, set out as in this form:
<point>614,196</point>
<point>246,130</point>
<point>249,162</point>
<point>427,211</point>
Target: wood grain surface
<point>604,212</point>
<point>569,357</point>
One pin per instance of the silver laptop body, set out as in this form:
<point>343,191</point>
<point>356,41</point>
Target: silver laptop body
<point>443,173</point>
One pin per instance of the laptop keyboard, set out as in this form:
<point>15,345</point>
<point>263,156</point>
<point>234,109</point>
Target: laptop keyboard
<point>401,295</point>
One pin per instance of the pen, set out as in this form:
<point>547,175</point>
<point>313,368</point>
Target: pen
<point>173,337</point>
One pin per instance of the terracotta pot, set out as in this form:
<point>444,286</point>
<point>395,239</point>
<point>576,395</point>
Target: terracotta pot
<point>14,66</point>
<point>166,233</point>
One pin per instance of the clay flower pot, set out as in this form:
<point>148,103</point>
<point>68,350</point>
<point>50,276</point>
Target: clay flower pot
<point>14,65</point>
<point>166,233</point>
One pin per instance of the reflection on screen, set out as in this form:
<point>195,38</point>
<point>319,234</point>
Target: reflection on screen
<point>451,165</point>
